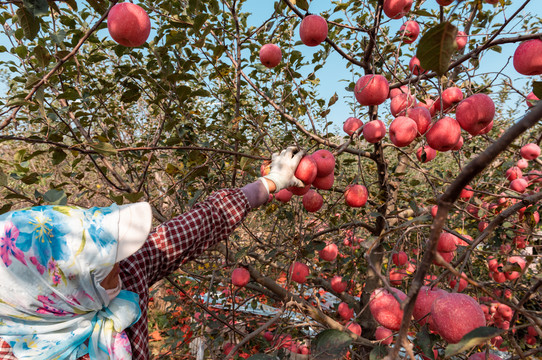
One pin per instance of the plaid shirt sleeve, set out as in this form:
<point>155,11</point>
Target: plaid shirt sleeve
<point>169,245</point>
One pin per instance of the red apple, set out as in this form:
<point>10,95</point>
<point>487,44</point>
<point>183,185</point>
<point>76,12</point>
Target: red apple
<point>531,99</point>
<point>356,195</point>
<point>397,276</point>
<point>355,328</point>
<point>313,30</point>
<point>128,24</point>
<point>421,116</point>
<point>351,125</point>
<point>325,182</point>
<point>446,256</point>
<point>463,283</point>
<point>306,170</point>
<point>454,315</point>
<point>444,2</point>
<point>459,144</point>
<point>386,309</point>
<point>400,258</point>
<point>444,134</point>
<point>396,91</point>
<point>415,66</point>
<point>519,185</point>
<point>451,96</point>
<point>396,9</point>
<point>426,154</point>
<point>240,277</point>
<point>424,301</point>
<point>446,243</point>
<point>374,131</point>
<point>329,253</point>
<point>403,130</point>
<point>371,90</point>
<point>270,55</point>
<point>528,57</point>
<point>530,151</point>
<point>410,30</point>
<point>284,195</point>
<point>466,193</point>
<point>522,164</point>
<point>513,173</point>
<point>384,335</point>
<point>434,210</point>
<point>325,162</point>
<point>429,104</point>
<point>299,191</point>
<point>475,113</point>
<point>338,284</point>
<point>512,275</point>
<point>299,272</point>
<point>461,40</point>
<point>312,201</point>
<point>345,311</point>
<point>400,103</point>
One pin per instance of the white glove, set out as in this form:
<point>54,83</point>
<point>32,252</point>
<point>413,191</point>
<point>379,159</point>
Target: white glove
<point>283,167</point>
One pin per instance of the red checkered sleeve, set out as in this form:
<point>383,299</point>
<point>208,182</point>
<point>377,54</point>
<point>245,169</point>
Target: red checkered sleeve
<point>168,246</point>
<point>175,242</point>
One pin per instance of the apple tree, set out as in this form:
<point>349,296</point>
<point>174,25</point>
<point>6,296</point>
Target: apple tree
<point>417,234</point>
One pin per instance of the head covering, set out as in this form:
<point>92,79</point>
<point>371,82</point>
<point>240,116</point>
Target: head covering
<point>52,260</point>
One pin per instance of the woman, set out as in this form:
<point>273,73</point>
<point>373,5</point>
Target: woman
<point>75,282</point>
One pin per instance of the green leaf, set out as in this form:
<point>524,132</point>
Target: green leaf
<point>496,48</point>
<point>133,197</point>
<point>378,353</point>
<point>3,178</point>
<point>100,6</point>
<point>436,48</point>
<point>42,56</point>
<point>422,12</point>
<point>473,338</point>
<point>28,23</point>
<point>36,7</point>
<point>58,156</point>
<point>130,95</point>
<point>302,4</point>
<point>104,148</point>
<point>30,179</point>
<point>330,344</point>
<point>424,340</point>
<point>537,89</point>
<point>55,197</point>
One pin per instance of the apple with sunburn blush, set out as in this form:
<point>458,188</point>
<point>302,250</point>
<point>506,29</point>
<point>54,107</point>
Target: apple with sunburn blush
<point>371,90</point>
<point>374,131</point>
<point>270,55</point>
<point>128,24</point>
<point>313,30</point>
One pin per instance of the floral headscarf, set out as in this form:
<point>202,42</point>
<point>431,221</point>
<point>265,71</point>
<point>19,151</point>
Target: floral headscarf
<point>52,260</point>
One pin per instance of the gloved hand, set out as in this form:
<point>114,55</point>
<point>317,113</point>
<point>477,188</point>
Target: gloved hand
<point>283,167</point>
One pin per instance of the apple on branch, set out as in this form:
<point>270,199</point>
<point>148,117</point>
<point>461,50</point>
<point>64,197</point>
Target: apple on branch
<point>128,24</point>
<point>313,30</point>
